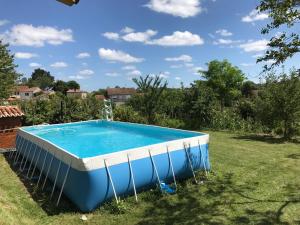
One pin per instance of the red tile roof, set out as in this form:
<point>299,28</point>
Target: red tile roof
<point>75,91</point>
<point>100,97</point>
<point>10,111</point>
<point>24,88</point>
<point>121,91</point>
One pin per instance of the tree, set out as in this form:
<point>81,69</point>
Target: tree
<point>287,43</point>
<point>278,105</point>
<point>72,84</point>
<point>225,80</point>
<point>247,88</point>
<point>41,78</point>
<point>8,74</point>
<point>199,104</point>
<point>61,86</point>
<point>150,92</point>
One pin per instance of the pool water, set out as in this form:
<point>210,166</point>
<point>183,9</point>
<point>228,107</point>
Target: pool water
<point>93,138</point>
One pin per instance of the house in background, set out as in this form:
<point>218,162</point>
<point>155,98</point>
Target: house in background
<point>120,95</point>
<point>100,97</point>
<point>10,118</point>
<point>25,92</point>
<point>77,93</point>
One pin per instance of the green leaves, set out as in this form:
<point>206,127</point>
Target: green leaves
<point>8,75</point>
<point>225,79</point>
<point>285,45</point>
<point>148,101</point>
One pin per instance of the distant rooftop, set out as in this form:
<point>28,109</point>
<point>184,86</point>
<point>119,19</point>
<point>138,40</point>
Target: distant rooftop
<point>24,88</point>
<point>76,91</point>
<point>120,91</point>
<point>100,97</point>
<point>10,111</point>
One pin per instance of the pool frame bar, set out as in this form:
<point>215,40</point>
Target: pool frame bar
<point>88,182</point>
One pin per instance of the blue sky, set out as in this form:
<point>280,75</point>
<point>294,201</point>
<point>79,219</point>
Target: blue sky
<point>108,42</point>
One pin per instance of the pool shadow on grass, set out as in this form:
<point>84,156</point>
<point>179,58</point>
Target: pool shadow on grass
<point>42,197</point>
<point>265,138</point>
<point>216,202</point>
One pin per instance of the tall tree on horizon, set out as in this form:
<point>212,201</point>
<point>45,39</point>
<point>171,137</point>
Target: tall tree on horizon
<point>41,78</point>
<point>225,80</point>
<point>8,74</point>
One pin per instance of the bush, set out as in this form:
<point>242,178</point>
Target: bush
<point>168,122</point>
<point>231,120</point>
<point>127,114</point>
<point>61,109</point>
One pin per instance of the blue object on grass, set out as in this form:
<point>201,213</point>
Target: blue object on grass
<point>166,188</point>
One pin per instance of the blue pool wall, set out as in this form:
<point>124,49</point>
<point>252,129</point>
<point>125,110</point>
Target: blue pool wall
<point>88,189</point>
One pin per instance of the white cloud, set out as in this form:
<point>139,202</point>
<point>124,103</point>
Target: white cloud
<point>164,75</point>
<point>247,64</point>
<point>178,38</point>
<point>86,72</point>
<point>83,75</point>
<point>33,64</point>
<point>59,65</point>
<point>223,32</point>
<point>177,78</point>
<point>129,67</point>
<point>176,66</point>
<point>189,64</point>
<point>28,35</point>
<point>112,74</point>
<point>257,55</point>
<point>183,58</point>
<point>222,41</point>
<point>181,8</point>
<point>112,36</point>
<point>127,30</point>
<point>254,15</point>
<point>255,46</point>
<point>25,55</point>
<point>83,55</point>
<point>79,77</point>
<point>134,73</point>
<point>139,36</point>
<point>118,56</point>
<point>196,70</point>
<point>3,22</point>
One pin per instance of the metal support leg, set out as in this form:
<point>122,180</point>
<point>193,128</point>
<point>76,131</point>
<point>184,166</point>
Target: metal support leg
<point>25,152</point>
<point>27,156</point>
<point>36,162</point>
<point>190,163</point>
<point>54,184</point>
<point>155,170</point>
<point>63,185</point>
<point>111,181</point>
<point>19,152</point>
<point>132,178</point>
<point>201,154</point>
<point>48,170</point>
<point>172,168</point>
<point>11,152</point>
<point>41,172</point>
<point>31,161</point>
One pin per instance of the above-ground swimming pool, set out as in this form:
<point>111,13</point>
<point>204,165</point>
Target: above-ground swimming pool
<point>93,161</point>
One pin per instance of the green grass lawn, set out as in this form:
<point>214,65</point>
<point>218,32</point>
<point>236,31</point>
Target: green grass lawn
<point>254,180</point>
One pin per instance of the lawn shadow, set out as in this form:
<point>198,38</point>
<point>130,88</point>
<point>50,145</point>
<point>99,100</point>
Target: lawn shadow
<point>215,203</point>
<point>294,156</point>
<point>265,138</point>
<point>42,197</point>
